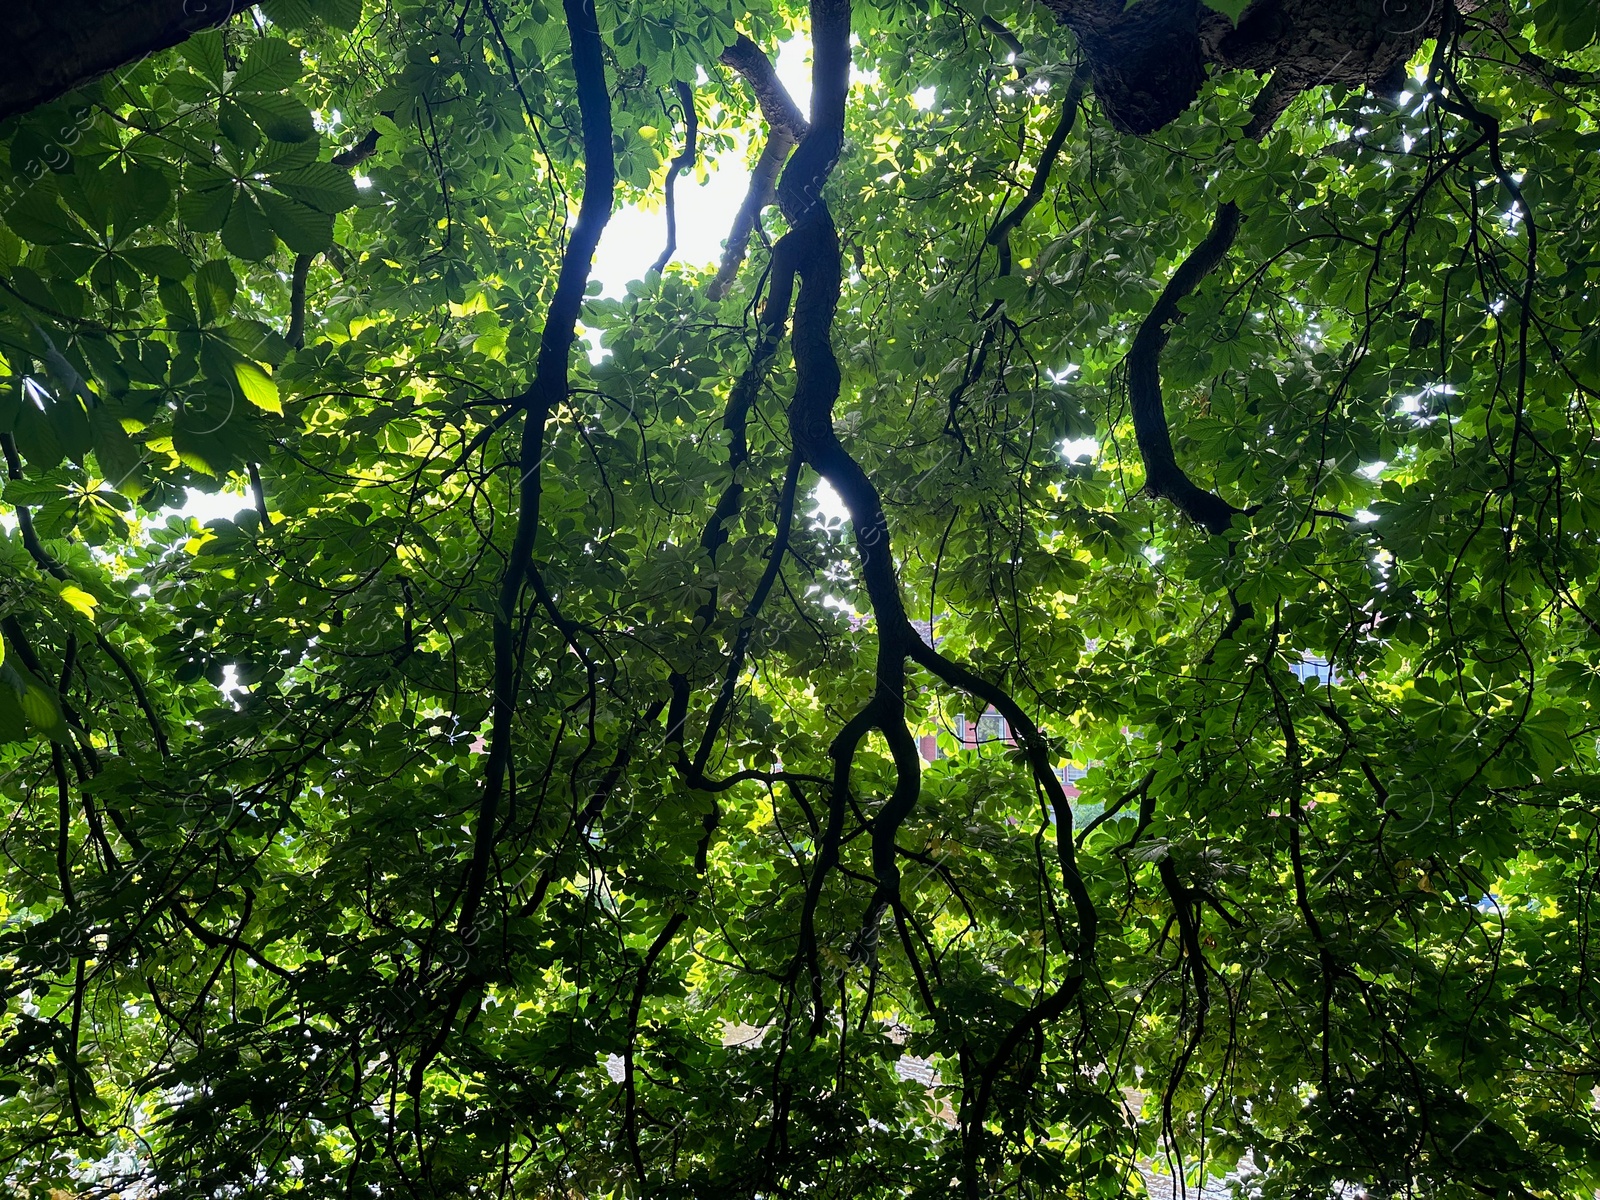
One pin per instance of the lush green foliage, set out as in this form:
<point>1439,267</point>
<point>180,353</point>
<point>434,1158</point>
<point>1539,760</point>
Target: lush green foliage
<point>300,934</point>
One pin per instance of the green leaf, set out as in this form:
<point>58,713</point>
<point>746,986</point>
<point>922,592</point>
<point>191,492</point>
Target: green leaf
<point>178,305</point>
<point>78,600</point>
<point>341,14</point>
<point>258,387</point>
<point>204,53</point>
<point>118,456</point>
<point>271,65</point>
<point>281,117</point>
<point>71,423</point>
<point>303,229</point>
<point>38,218</point>
<point>1232,9</point>
<point>247,233</point>
<point>159,262</point>
<point>290,14</point>
<point>206,198</point>
<point>237,126</point>
<point>282,156</point>
<point>37,438</point>
<point>323,186</point>
<point>139,198</point>
<point>215,288</point>
<point>36,701</point>
<point>13,721</point>
<point>190,87</point>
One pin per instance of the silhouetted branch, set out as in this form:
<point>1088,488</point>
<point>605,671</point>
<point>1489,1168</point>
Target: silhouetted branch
<point>682,163</point>
<point>1163,476</point>
<point>785,127</point>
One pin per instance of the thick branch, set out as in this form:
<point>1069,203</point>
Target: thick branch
<point>1163,476</point>
<point>777,106</point>
<point>785,127</point>
<point>361,151</point>
<point>1150,59</point>
<point>1008,39</point>
<point>53,48</point>
<point>811,425</point>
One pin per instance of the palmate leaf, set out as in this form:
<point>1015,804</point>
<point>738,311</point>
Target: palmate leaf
<point>246,232</point>
<point>281,117</point>
<point>112,272</point>
<point>303,228</point>
<point>271,65</point>
<point>294,196</point>
<point>1321,742</point>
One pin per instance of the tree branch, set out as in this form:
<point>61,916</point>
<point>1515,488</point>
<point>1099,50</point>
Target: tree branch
<point>295,335</point>
<point>785,128</point>
<point>53,48</point>
<point>1163,476</point>
<point>685,160</point>
<point>1000,235</point>
<point>548,388</point>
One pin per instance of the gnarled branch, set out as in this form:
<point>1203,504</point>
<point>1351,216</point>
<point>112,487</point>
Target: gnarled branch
<point>785,127</point>
<point>1163,476</point>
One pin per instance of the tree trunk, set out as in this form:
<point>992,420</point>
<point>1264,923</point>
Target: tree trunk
<point>54,46</point>
<point>1149,61</point>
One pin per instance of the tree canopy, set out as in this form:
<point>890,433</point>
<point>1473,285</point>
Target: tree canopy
<point>532,792</point>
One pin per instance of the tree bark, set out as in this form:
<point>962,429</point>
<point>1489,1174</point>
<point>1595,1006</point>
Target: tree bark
<point>53,47</point>
<point>1149,61</point>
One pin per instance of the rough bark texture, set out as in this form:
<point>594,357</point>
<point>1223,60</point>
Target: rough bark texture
<point>786,125</point>
<point>1149,61</point>
<point>53,46</point>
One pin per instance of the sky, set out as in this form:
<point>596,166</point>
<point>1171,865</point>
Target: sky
<point>634,238</point>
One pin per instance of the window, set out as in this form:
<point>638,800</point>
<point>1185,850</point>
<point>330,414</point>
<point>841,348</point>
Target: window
<point>1314,666</point>
<point>991,728</point>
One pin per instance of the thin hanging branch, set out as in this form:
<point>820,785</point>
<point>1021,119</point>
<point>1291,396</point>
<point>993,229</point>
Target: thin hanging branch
<point>548,389</point>
<point>1000,235</point>
<point>818,382</point>
<point>1163,476</point>
<point>680,164</point>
